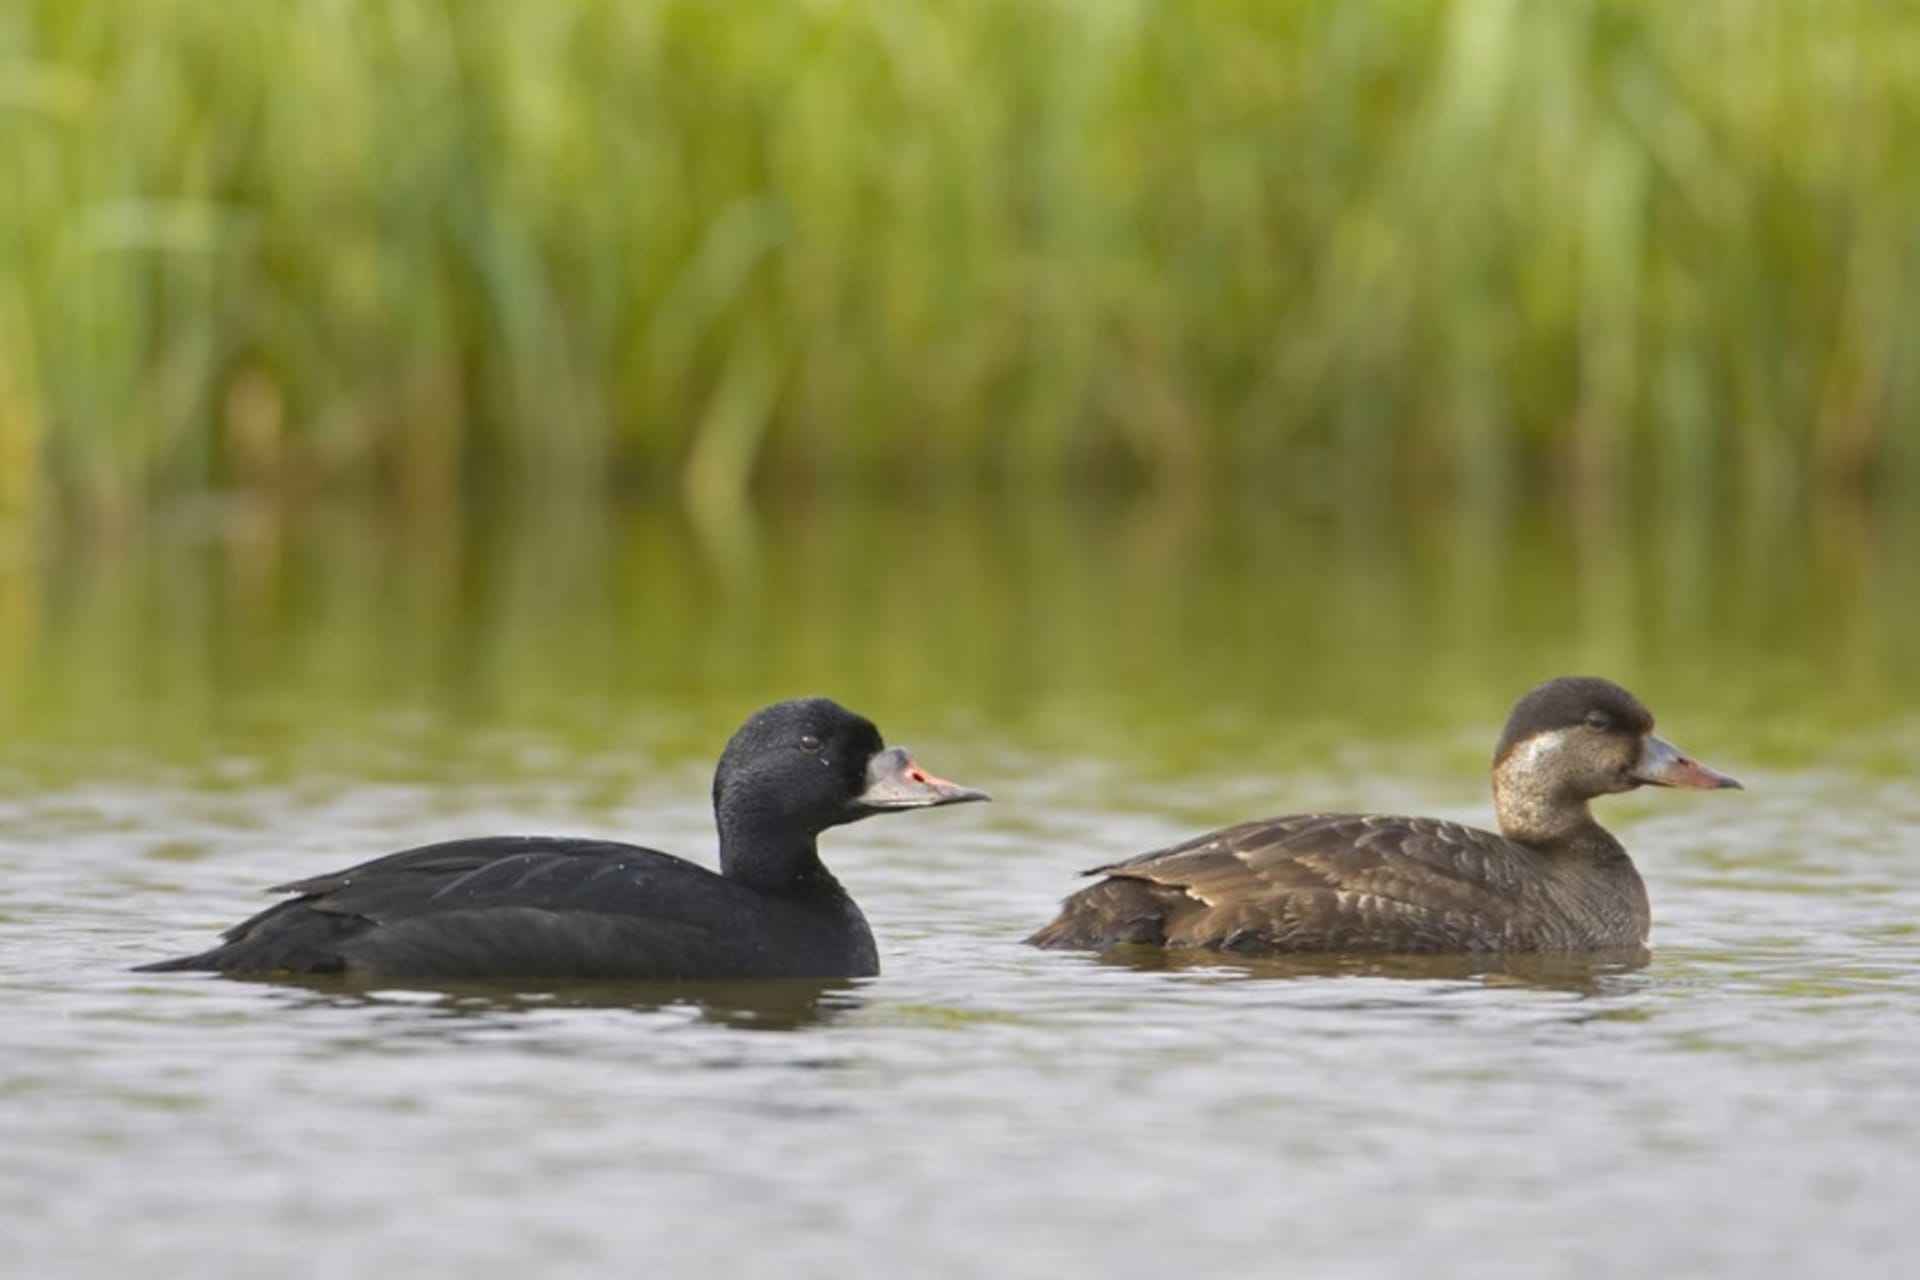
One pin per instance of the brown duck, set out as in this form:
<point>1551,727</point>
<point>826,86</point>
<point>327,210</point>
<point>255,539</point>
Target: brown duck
<point>1552,880</point>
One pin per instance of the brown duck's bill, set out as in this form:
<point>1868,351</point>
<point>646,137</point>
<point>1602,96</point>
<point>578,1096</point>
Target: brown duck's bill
<point>894,781</point>
<point>1665,765</point>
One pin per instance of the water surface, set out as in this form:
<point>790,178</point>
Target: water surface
<point>242,698</point>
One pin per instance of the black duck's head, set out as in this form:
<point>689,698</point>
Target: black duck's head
<point>809,763</point>
<point>1578,737</point>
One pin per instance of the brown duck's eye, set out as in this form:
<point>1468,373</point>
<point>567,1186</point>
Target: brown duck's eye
<point>1599,720</point>
<point>809,743</point>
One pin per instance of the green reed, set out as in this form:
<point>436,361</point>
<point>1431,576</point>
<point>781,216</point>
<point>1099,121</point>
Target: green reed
<point>424,245</point>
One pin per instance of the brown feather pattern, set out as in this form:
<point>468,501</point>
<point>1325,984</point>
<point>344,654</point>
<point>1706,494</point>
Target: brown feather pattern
<point>1552,880</point>
<point>1358,882</point>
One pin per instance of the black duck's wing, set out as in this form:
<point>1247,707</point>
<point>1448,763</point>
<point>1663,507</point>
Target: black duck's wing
<point>524,906</point>
<point>554,873</point>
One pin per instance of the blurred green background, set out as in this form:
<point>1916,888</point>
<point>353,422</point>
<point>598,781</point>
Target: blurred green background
<point>1481,248</point>
<point>1101,375</point>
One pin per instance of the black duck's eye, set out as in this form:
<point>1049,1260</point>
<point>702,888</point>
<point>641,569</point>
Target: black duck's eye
<point>809,743</point>
<point>1599,720</point>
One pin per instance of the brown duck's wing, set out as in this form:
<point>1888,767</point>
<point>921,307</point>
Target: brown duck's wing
<point>1326,882</point>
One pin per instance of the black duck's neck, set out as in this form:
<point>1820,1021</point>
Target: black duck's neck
<point>763,852</point>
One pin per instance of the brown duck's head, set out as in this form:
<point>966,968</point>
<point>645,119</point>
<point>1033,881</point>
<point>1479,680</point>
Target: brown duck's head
<point>1578,737</point>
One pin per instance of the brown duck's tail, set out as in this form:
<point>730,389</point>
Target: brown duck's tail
<point>1116,912</point>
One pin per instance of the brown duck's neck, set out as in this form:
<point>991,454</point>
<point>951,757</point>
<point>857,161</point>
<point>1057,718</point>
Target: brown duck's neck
<point>1591,845</point>
<point>1532,811</point>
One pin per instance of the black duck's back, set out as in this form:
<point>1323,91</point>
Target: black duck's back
<point>541,906</point>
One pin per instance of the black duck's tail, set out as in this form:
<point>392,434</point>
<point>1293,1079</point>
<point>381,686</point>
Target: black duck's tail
<point>291,937</point>
<point>205,960</point>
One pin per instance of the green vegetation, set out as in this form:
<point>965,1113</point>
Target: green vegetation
<point>411,247</point>
<point>1198,638</point>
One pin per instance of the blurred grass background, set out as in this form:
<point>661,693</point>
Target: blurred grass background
<point>416,248</point>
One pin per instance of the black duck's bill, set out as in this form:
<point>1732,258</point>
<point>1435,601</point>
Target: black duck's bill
<point>1665,765</point>
<point>894,781</point>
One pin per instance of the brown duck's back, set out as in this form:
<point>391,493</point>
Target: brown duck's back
<point>1361,882</point>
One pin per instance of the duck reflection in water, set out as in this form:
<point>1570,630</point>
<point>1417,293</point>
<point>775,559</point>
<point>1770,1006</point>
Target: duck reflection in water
<point>783,1004</point>
<point>1575,972</point>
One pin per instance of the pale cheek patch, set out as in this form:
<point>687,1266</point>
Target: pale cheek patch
<point>1541,750</point>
